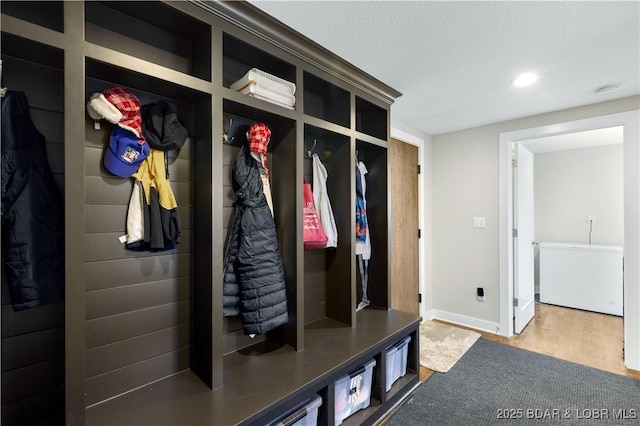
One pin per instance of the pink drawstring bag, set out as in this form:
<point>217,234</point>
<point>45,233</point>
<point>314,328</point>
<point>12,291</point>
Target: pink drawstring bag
<point>313,234</point>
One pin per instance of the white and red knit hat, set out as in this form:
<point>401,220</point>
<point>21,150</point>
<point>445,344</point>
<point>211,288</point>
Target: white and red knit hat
<point>117,106</point>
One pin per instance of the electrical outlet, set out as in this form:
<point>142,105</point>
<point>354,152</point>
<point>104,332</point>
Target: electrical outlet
<point>480,294</point>
<point>591,218</point>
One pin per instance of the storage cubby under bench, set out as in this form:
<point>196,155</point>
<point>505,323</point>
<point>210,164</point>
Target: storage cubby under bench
<point>263,382</point>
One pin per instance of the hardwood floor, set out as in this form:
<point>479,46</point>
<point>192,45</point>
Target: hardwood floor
<point>587,338</point>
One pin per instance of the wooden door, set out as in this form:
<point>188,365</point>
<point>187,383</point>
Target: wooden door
<point>405,262</point>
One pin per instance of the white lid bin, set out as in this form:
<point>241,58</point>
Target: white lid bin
<point>353,391</point>
<point>304,415</point>
<point>396,361</point>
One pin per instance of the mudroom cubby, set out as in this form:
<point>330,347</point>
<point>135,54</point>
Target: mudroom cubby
<point>141,338</point>
<point>47,14</point>
<point>239,57</point>
<point>33,340</point>
<point>139,304</point>
<point>326,101</point>
<point>237,119</point>
<point>327,270</point>
<point>374,158</point>
<point>371,119</point>
<point>156,33</point>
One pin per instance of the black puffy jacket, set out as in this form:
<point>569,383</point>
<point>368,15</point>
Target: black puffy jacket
<point>254,284</point>
<point>32,211</point>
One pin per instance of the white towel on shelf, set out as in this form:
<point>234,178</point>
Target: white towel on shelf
<point>271,101</point>
<point>257,90</point>
<point>269,81</point>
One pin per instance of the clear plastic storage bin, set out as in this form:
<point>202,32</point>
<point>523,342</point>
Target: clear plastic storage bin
<point>353,392</point>
<point>396,361</point>
<point>305,415</point>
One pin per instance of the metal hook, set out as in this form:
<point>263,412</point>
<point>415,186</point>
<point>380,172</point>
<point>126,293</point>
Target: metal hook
<point>3,90</point>
<point>310,152</point>
<point>225,135</point>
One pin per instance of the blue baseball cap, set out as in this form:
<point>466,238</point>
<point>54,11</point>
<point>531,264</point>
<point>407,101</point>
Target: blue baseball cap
<point>125,152</point>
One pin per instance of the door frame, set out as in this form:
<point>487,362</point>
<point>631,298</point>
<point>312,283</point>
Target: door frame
<point>420,143</point>
<point>631,122</point>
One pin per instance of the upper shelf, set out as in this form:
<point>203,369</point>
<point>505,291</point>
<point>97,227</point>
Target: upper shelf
<point>326,101</point>
<point>371,119</point>
<point>152,31</point>
<point>240,57</point>
<point>48,14</point>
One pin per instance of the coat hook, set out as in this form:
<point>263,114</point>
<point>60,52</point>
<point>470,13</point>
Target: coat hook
<point>310,152</point>
<point>3,90</point>
<point>225,135</point>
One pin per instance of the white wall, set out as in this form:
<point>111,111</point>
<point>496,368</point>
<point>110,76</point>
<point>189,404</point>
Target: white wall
<point>573,184</point>
<point>465,170</point>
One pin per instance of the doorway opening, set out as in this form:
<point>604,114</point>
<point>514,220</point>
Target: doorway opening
<point>629,122</point>
<point>578,218</point>
<point>563,256</point>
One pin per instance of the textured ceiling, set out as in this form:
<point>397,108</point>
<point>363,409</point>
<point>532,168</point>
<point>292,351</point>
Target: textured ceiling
<point>453,60</point>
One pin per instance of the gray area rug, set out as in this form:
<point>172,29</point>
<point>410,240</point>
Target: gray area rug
<point>496,384</point>
<point>441,345</point>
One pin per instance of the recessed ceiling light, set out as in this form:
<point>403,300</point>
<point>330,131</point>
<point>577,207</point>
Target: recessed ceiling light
<point>605,90</point>
<point>524,80</point>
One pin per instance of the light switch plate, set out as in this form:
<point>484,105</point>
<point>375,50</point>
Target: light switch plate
<point>479,222</point>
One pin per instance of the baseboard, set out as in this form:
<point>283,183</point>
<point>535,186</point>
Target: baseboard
<point>476,323</point>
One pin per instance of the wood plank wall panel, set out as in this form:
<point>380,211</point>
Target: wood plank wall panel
<point>45,404</point>
<point>315,290</point>
<point>24,322</point>
<point>138,304</point>
<point>33,339</point>
<point>111,329</point>
<point>29,382</point>
<point>101,387</point>
<point>118,300</point>
<point>32,348</point>
<point>114,273</point>
<point>109,357</point>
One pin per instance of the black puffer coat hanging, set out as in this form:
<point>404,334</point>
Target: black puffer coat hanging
<point>32,211</point>
<point>254,284</point>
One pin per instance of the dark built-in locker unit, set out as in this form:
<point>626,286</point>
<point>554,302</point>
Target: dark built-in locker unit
<point>141,338</point>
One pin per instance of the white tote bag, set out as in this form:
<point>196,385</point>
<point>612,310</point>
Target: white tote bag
<point>321,200</point>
